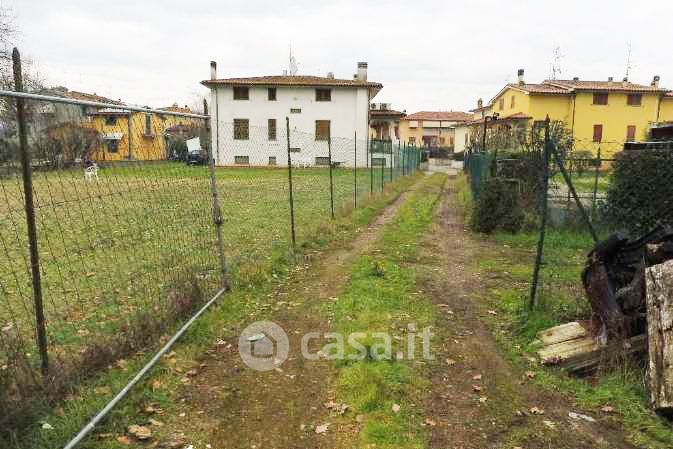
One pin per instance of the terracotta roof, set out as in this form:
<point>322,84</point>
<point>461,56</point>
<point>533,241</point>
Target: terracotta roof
<point>385,113</point>
<point>543,88</point>
<point>668,94</point>
<point>297,80</point>
<point>621,86</point>
<point>516,116</point>
<point>449,116</point>
<point>88,97</point>
<point>176,108</point>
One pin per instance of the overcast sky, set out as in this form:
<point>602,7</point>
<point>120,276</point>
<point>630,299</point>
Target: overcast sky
<point>429,55</point>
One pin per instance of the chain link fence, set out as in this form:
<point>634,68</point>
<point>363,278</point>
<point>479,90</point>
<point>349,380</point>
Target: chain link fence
<point>116,226</point>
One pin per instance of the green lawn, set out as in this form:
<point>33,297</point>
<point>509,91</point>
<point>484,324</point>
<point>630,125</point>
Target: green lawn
<point>123,257</point>
<point>584,182</point>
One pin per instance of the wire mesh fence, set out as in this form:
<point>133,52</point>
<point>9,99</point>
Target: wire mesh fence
<point>127,236</point>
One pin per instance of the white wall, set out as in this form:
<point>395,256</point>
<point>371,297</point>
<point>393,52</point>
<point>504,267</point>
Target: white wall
<point>459,140</point>
<point>347,111</point>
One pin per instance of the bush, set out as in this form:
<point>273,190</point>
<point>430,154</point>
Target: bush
<point>497,208</point>
<point>458,156</point>
<point>640,194</point>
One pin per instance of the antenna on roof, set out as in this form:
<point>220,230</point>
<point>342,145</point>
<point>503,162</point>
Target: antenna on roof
<point>628,61</point>
<point>556,63</point>
<point>293,64</point>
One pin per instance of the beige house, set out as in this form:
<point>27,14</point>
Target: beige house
<point>384,122</point>
<point>433,129</point>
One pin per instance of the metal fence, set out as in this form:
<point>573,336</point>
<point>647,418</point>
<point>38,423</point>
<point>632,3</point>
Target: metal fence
<point>116,224</point>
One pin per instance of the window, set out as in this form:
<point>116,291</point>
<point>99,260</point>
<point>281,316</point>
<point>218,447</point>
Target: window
<point>148,124</point>
<point>242,160</point>
<point>322,160</point>
<point>512,102</point>
<point>322,129</point>
<point>241,129</point>
<point>112,145</point>
<point>634,99</point>
<point>501,104</point>
<point>412,140</point>
<point>601,98</point>
<point>442,140</point>
<point>272,160</point>
<point>323,95</point>
<point>451,141</point>
<point>272,128</point>
<point>631,133</point>
<point>271,91</point>
<point>598,133</point>
<point>110,120</point>
<point>295,111</point>
<point>241,93</point>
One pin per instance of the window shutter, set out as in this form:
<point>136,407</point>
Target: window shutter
<point>598,133</point>
<point>631,133</point>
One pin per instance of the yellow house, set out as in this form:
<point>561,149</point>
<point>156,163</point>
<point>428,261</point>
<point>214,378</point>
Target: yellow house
<point>431,128</point>
<point>132,135</point>
<point>596,113</point>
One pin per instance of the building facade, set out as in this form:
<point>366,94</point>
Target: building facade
<point>595,113</point>
<point>433,129</point>
<point>250,117</point>
<point>384,122</point>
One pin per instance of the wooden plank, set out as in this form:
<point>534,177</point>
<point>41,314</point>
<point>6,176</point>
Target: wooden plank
<point>659,296</point>
<point>564,332</point>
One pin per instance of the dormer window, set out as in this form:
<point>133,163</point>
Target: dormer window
<point>241,93</point>
<point>323,95</point>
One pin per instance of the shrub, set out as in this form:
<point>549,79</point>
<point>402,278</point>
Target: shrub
<point>497,208</point>
<point>640,194</point>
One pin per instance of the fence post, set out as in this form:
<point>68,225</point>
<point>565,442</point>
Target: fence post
<point>598,164</point>
<point>404,167</point>
<point>130,131</point>
<point>543,218</point>
<point>355,170</point>
<point>289,180</point>
<point>27,174</point>
<point>391,161</point>
<point>217,211</point>
<point>371,168</point>
<point>331,179</point>
<point>383,170</point>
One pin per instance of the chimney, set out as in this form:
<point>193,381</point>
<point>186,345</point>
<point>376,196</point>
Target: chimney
<point>213,70</point>
<point>655,81</point>
<point>576,78</point>
<point>330,75</point>
<point>285,72</point>
<point>362,71</point>
<point>480,103</point>
<point>610,79</point>
<point>519,75</point>
<point>626,79</point>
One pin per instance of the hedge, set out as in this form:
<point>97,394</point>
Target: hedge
<point>640,194</point>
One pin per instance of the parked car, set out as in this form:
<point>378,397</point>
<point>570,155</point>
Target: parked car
<point>197,158</point>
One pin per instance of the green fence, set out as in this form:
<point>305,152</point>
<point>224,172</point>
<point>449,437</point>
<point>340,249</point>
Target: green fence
<point>477,165</point>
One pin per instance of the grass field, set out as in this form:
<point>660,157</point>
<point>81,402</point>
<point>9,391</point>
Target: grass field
<point>561,298</point>
<point>138,246</point>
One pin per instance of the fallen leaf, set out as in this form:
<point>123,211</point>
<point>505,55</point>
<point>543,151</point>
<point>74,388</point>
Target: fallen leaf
<point>607,409</point>
<point>492,312</point>
<point>396,408</point>
<point>476,388</point>
<point>450,362</point>
<point>321,428</point>
<point>477,377</point>
<point>530,374</point>
<point>483,399</point>
<point>124,440</point>
<point>536,411</point>
<point>155,422</point>
<point>430,422</point>
<point>47,426</point>
<point>549,424</point>
<point>140,432</point>
<point>574,415</point>
<point>156,384</point>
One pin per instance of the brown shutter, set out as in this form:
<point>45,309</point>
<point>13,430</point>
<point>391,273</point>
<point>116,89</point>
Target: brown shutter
<point>598,133</point>
<point>631,133</point>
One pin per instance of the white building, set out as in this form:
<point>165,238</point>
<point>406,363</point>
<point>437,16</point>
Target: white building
<point>249,116</point>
